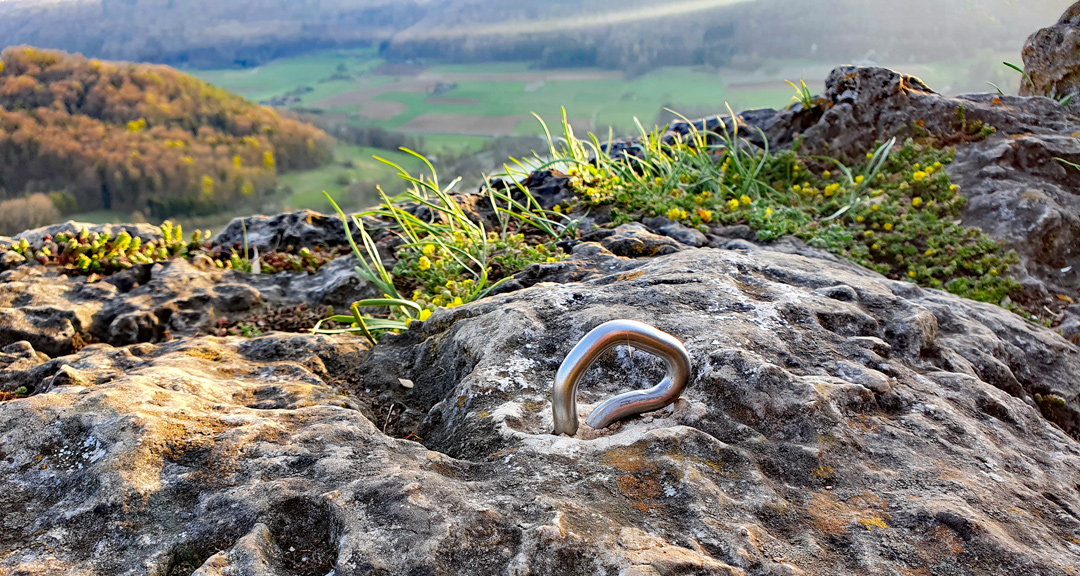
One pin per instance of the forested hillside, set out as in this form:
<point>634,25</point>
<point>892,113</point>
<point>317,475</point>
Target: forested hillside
<point>126,137</point>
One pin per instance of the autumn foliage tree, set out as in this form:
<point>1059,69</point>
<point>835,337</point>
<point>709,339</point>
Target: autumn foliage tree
<point>131,137</point>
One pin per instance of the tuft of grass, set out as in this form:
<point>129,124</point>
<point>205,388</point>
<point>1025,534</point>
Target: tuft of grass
<point>803,95</point>
<point>1062,101</point>
<point>445,257</point>
<point>1027,78</point>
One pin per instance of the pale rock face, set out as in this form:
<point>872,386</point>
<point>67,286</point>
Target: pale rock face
<point>835,423</point>
<point>1052,58</point>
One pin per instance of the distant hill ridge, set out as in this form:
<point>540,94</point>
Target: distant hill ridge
<point>205,33</point>
<point>127,137</point>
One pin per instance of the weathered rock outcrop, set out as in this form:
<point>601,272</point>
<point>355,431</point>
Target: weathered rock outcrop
<point>836,423</point>
<point>57,313</point>
<point>1052,58</point>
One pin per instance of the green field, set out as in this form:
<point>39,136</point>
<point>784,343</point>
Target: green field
<point>353,167</point>
<point>489,99</point>
<point>399,97</point>
<point>281,76</point>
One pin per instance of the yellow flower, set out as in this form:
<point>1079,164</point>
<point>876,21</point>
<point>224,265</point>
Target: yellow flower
<point>552,259</point>
<point>868,233</point>
<point>859,179</point>
<point>953,188</point>
<point>768,211</point>
<point>438,301</point>
<point>916,201</point>
<point>674,214</point>
<point>831,189</point>
<point>937,164</point>
<point>457,302</point>
<point>732,204</point>
<point>826,174</point>
<point>558,209</point>
<point>859,218</point>
<point>795,168</point>
<point>429,249</point>
<point>874,247</point>
<point>928,253</point>
<point>658,181</point>
<point>911,274</point>
<point>918,175</point>
<point>887,226</point>
<point>929,169</point>
<point>875,207</point>
<point>869,155</point>
<point>705,215</point>
<point>917,166</point>
<point>423,263</point>
<point>745,199</point>
<point>796,188</point>
<point>424,314</point>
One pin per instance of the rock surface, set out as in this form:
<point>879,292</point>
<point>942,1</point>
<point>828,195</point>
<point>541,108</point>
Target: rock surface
<point>1052,58</point>
<point>835,423</point>
<point>57,313</point>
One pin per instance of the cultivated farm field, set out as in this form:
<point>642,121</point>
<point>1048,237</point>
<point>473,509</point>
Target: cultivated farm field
<point>498,98</point>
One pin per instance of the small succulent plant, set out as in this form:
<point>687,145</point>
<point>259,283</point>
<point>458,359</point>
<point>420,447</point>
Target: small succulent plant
<point>100,254</point>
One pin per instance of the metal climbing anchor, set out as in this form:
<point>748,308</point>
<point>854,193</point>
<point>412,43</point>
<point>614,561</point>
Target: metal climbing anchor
<point>601,339</point>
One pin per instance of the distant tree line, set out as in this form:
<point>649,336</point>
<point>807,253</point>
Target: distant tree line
<point>365,136</point>
<point>743,34</point>
<point>132,137</point>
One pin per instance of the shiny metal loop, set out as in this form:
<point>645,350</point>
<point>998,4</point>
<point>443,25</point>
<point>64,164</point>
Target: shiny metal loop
<point>601,339</point>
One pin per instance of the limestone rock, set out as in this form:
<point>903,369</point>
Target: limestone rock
<point>672,229</point>
<point>303,229</point>
<point>1052,58</point>
<point>633,240</point>
<point>835,423</point>
<point>57,313</point>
